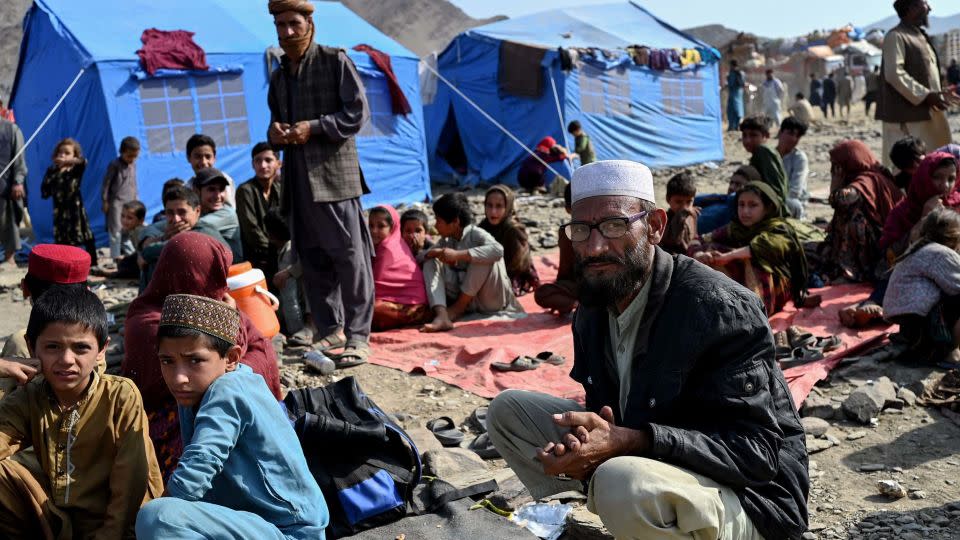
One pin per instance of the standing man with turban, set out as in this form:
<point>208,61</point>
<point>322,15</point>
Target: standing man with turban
<point>689,430</point>
<point>317,106</point>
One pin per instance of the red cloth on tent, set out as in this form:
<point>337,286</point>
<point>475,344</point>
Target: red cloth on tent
<point>825,321</point>
<point>398,101</point>
<point>171,49</point>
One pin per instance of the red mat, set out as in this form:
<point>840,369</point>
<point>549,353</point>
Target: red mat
<point>825,321</point>
<point>462,357</point>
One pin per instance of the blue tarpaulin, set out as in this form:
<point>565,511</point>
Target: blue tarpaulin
<point>661,118</point>
<point>114,98</point>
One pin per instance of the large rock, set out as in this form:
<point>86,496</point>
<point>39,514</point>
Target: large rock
<point>449,462</point>
<point>907,396</point>
<point>869,399</point>
<point>511,493</point>
<point>814,426</point>
<point>820,407</point>
<point>583,524</point>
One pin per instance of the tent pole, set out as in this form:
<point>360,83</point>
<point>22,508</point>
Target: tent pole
<point>491,119</point>
<point>563,128</point>
<point>45,120</point>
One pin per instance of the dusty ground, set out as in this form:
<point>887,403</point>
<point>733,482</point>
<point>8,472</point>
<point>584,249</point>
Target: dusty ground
<point>918,446</point>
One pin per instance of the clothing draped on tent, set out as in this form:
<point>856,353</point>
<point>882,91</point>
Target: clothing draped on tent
<point>171,49</point>
<point>520,71</point>
<point>398,101</point>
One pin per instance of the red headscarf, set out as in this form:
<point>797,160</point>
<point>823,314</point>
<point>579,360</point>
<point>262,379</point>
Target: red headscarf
<point>864,173</point>
<point>907,214</point>
<point>396,275</point>
<point>190,263</point>
<point>546,144</point>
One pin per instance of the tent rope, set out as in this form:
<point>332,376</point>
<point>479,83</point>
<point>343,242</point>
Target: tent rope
<point>491,119</point>
<point>45,120</point>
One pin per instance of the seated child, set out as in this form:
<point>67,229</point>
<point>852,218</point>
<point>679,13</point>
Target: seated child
<point>413,228</point>
<point>132,227</point>
<point>167,186</point>
<point>906,155</point>
<point>718,210</point>
<point>754,134</point>
<point>48,265</point>
<point>532,173</point>
<point>89,431</point>
<point>294,311</point>
<point>501,222</point>
<point>682,216</point>
<point>759,249</point>
<point>923,295</point>
<point>465,272</point>
<point>211,186</point>
<point>242,473</point>
<point>561,295</point>
<point>401,297</point>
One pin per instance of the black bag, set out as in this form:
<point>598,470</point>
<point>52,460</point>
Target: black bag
<point>366,465</point>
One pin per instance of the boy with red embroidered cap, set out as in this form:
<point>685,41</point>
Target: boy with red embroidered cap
<point>48,265</point>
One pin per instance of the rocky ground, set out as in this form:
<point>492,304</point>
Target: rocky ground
<point>867,435</point>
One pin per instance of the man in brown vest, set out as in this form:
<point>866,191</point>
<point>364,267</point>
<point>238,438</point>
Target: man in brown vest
<point>911,102</point>
<point>317,105</point>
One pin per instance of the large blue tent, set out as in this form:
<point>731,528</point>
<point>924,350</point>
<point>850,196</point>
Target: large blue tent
<point>115,98</point>
<point>660,117</point>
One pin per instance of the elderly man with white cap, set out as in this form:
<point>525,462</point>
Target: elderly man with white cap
<point>689,429</point>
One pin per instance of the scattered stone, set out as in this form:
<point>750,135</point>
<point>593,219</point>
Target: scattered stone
<point>917,387</point>
<point>511,493</point>
<point>425,440</point>
<point>815,445</point>
<point>891,488</point>
<point>855,435</point>
<point>907,396</point>
<point>549,242</point>
<point>809,536</point>
<point>814,426</point>
<point>869,399</point>
<point>288,380</point>
<point>872,467</point>
<point>820,407</point>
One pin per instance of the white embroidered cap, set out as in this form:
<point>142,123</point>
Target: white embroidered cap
<point>617,177</point>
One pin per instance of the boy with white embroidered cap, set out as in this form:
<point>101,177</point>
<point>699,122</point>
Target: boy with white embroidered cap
<point>689,428</point>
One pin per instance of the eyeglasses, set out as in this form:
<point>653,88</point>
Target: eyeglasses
<point>610,228</point>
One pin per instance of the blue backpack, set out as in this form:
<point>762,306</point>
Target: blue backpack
<point>366,465</point>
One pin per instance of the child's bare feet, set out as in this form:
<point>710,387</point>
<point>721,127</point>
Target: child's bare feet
<point>438,324</point>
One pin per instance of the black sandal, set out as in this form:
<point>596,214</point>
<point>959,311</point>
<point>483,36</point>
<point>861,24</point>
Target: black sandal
<point>520,363</point>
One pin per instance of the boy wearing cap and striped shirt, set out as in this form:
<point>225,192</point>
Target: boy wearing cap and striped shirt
<point>242,473</point>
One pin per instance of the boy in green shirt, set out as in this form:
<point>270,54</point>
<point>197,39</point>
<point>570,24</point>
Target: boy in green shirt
<point>582,146</point>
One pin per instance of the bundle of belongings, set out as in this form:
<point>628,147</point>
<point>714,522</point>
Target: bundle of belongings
<point>174,49</point>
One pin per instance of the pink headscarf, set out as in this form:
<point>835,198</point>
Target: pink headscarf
<point>908,212</point>
<point>396,275</point>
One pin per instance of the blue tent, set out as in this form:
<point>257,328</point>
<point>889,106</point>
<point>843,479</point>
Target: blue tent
<point>115,98</point>
<point>662,118</point>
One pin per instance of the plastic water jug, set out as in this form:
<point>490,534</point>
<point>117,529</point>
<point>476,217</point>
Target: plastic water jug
<point>249,289</point>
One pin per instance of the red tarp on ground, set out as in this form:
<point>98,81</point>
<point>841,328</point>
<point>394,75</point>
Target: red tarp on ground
<point>462,357</point>
<point>825,321</point>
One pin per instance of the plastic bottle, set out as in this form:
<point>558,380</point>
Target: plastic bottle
<point>319,361</point>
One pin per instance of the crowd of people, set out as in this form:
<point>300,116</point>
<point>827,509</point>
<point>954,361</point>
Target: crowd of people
<point>688,427</point>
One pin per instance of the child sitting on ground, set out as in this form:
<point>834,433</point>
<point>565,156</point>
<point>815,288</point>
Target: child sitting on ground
<point>717,210</point>
<point>413,229</point>
<point>242,473</point>
<point>169,185</point>
<point>89,431</point>
<point>131,222</point>
<point>561,296</point>
<point>62,182</point>
<point>500,220</point>
<point>682,216</point>
<point>401,297</point>
<point>754,134</point>
<point>906,155</point>
<point>211,186</point>
<point>465,272</point>
<point>923,295</point>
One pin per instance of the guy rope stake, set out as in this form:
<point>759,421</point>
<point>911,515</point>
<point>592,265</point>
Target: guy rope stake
<point>45,120</point>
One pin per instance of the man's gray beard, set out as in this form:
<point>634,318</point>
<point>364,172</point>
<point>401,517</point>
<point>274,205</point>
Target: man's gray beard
<point>608,290</point>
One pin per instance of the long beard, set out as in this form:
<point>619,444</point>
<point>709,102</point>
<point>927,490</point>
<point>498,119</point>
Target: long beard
<point>608,289</point>
<point>295,47</point>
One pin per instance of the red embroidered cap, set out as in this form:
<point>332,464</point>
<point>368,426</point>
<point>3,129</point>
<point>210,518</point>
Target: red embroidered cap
<point>59,264</point>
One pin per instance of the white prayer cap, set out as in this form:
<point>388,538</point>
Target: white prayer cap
<point>616,177</point>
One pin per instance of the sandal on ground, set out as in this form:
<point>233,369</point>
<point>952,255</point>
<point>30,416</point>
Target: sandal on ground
<point>478,419</point>
<point>520,363</point>
<point>782,344</point>
<point>301,338</point>
<point>798,337</point>
<point>333,341</point>
<point>483,447</point>
<point>352,355</point>
<point>827,344</point>
<point>445,431</point>
<point>551,358</point>
<point>801,356</point>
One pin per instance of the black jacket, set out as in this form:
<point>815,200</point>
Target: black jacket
<point>706,386</point>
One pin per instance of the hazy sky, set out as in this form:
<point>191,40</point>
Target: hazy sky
<point>769,18</point>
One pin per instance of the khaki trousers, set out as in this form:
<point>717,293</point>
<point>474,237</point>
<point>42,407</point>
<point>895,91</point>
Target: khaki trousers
<point>488,284</point>
<point>25,508</point>
<point>635,497</point>
<point>935,133</point>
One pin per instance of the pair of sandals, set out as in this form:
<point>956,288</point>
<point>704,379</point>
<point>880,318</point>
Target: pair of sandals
<point>796,347</point>
<point>529,363</point>
<point>445,430</point>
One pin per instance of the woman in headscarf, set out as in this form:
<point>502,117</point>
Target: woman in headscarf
<point>862,194</point>
<point>532,170</point>
<point>400,292</point>
<point>502,223</point>
<point>934,185</point>
<point>191,263</point>
<point>759,249</point>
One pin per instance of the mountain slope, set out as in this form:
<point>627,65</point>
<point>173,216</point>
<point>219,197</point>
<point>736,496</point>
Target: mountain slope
<point>938,25</point>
